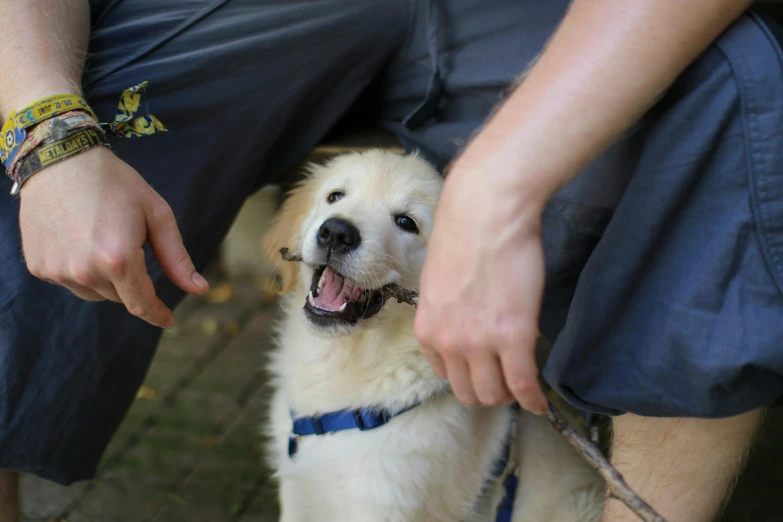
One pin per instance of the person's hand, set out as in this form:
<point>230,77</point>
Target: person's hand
<point>479,300</point>
<point>84,222</point>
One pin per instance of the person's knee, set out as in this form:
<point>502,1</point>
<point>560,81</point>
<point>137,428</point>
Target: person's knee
<point>684,467</point>
<point>729,439</point>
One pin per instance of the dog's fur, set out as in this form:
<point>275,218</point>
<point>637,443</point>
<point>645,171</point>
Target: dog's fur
<point>430,463</point>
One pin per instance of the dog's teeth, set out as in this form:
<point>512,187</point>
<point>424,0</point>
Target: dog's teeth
<point>343,307</point>
<point>310,297</point>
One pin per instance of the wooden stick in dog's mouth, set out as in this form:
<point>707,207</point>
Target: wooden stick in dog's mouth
<point>390,291</point>
<point>288,256</point>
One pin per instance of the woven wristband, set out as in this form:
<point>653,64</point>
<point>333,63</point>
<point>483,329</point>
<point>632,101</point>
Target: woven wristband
<point>51,153</point>
<point>53,129</point>
<point>15,131</point>
<point>26,131</point>
<point>52,141</point>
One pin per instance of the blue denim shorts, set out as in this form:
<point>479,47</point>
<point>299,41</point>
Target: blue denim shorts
<point>664,258</point>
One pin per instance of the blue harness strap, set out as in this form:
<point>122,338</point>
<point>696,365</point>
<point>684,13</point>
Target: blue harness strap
<point>506,506</point>
<point>364,419</point>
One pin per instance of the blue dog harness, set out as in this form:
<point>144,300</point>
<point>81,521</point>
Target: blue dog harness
<point>364,419</point>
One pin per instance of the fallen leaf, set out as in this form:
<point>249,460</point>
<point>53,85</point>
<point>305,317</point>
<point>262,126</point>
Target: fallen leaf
<point>145,392</point>
<point>209,327</point>
<point>220,294</point>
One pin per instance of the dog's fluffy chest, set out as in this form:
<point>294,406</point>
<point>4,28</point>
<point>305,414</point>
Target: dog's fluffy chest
<point>429,463</point>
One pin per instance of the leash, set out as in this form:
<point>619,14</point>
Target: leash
<point>364,419</point>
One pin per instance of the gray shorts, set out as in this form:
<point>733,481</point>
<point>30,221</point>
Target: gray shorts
<point>664,259</point>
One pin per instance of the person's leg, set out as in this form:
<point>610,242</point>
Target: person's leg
<point>246,89</point>
<point>677,311</point>
<point>9,496</point>
<point>684,467</point>
<point>676,315</point>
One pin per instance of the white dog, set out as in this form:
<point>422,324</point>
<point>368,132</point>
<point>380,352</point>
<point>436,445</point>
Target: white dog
<point>361,428</point>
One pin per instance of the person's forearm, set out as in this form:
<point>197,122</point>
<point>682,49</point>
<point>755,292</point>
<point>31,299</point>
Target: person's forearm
<point>43,51</point>
<point>608,63</point>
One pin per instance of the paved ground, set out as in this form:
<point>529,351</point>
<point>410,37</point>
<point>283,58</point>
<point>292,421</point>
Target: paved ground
<point>190,447</point>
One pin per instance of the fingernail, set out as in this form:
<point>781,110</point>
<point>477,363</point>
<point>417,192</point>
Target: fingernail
<point>199,281</point>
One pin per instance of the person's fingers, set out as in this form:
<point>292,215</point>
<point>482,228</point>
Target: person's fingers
<point>435,360</point>
<point>458,375</point>
<point>109,293</point>
<point>166,242</point>
<point>521,376</point>
<point>84,278</point>
<point>135,288</point>
<point>488,382</point>
<point>423,331</point>
<point>84,293</point>
<point>81,281</point>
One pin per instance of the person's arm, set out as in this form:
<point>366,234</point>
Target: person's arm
<point>43,51</point>
<point>84,220</point>
<point>607,63</point>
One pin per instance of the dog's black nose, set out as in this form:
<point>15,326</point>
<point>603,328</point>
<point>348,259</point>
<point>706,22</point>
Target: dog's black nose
<point>338,235</point>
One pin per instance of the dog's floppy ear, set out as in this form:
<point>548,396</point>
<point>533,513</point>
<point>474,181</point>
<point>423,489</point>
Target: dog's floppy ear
<point>284,233</point>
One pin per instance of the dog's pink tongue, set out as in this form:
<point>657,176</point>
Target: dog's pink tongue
<point>336,291</point>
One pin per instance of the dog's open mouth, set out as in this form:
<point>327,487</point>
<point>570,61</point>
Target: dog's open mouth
<point>335,298</point>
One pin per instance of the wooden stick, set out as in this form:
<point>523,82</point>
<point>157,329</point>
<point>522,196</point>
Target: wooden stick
<point>617,486</point>
<point>402,295</point>
<point>288,256</point>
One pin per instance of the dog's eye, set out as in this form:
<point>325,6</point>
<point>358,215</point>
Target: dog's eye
<point>406,223</point>
<point>335,196</point>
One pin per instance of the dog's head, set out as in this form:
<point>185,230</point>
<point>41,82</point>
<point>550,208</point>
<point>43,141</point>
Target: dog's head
<point>360,222</point>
